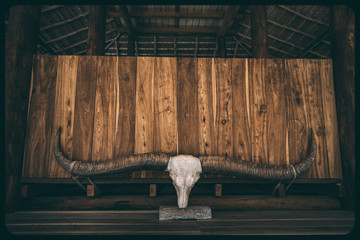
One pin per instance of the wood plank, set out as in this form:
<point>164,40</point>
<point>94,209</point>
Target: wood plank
<point>165,105</point>
<point>40,116</point>
<point>276,111</point>
<point>144,117</point>
<point>315,108</point>
<point>330,118</point>
<point>97,30</point>
<point>258,113</point>
<point>84,108</point>
<point>165,109</point>
<point>187,105</point>
<point>206,106</point>
<point>104,119</point>
<point>125,106</point>
<point>20,45</point>
<point>297,115</point>
<point>145,202</point>
<point>64,111</point>
<point>241,114</point>
<point>224,107</point>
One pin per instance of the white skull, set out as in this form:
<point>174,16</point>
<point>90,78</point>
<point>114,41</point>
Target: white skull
<point>184,171</point>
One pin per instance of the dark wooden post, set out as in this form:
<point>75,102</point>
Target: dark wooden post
<point>343,53</point>
<point>221,47</point>
<point>20,45</point>
<point>97,30</point>
<point>131,45</point>
<point>259,34</point>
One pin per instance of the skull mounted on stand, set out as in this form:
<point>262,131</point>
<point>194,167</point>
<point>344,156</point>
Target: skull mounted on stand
<point>184,170</point>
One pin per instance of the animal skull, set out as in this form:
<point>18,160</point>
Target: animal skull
<point>184,171</point>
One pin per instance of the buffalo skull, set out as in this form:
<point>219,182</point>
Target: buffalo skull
<point>184,169</point>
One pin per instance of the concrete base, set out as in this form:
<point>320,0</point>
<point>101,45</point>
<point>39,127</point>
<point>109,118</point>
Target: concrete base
<point>191,212</point>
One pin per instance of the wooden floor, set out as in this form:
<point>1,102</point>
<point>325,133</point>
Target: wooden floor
<point>278,222</point>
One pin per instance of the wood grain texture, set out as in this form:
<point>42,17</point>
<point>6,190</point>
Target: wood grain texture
<point>64,110</point>
<point>224,107</point>
<point>259,110</point>
<point>241,120</point>
<point>40,116</point>
<point>144,116</point>
<point>165,105</point>
<point>125,87</point>
<point>258,113</point>
<point>276,111</point>
<point>297,112</point>
<point>103,144</point>
<point>84,108</point>
<point>187,105</point>
<point>330,119</point>
<point>206,106</point>
<point>314,98</point>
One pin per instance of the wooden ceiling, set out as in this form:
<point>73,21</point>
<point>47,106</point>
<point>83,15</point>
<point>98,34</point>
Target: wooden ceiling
<point>295,31</point>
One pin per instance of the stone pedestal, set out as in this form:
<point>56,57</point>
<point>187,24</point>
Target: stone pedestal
<point>191,212</point>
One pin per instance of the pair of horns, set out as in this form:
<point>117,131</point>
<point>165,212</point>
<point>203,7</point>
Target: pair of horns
<point>159,161</point>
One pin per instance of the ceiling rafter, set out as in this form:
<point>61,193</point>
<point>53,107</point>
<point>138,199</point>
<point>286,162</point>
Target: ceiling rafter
<point>228,19</point>
<point>303,16</point>
<point>75,32</point>
<point>179,14</point>
<point>65,21</point>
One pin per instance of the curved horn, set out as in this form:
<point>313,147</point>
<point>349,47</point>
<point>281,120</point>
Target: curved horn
<point>225,165</point>
<point>125,163</point>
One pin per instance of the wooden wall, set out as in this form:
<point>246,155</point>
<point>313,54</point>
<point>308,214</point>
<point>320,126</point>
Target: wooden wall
<point>259,110</point>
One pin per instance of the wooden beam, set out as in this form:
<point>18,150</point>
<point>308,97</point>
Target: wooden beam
<point>196,46</point>
<point>177,20</point>
<point>314,43</point>
<point>152,190</point>
<point>236,48</point>
<point>125,15</point>
<point>64,22</point>
<point>221,47</point>
<point>96,33</point>
<point>228,19</point>
<point>177,31</point>
<point>259,33</point>
<point>20,45</point>
<point>48,48</point>
<point>218,190</point>
<point>173,14</point>
<point>234,202</point>
<point>343,53</point>
<point>131,45</point>
<point>303,16</point>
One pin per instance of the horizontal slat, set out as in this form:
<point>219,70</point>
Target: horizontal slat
<point>305,222</point>
<point>168,180</point>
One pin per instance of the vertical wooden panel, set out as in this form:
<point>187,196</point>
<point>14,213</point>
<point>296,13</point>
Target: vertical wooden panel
<point>187,105</point>
<point>165,105</point>
<point>313,84</point>
<point>165,109</point>
<point>206,108</point>
<point>144,117</point>
<point>258,113</point>
<point>125,106</point>
<point>224,107</point>
<point>104,118</point>
<point>84,108</point>
<point>241,120</point>
<point>64,110</point>
<point>330,118</point>
<point>40,116</point>
<point>297,113</point>
<point>276,111</point>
